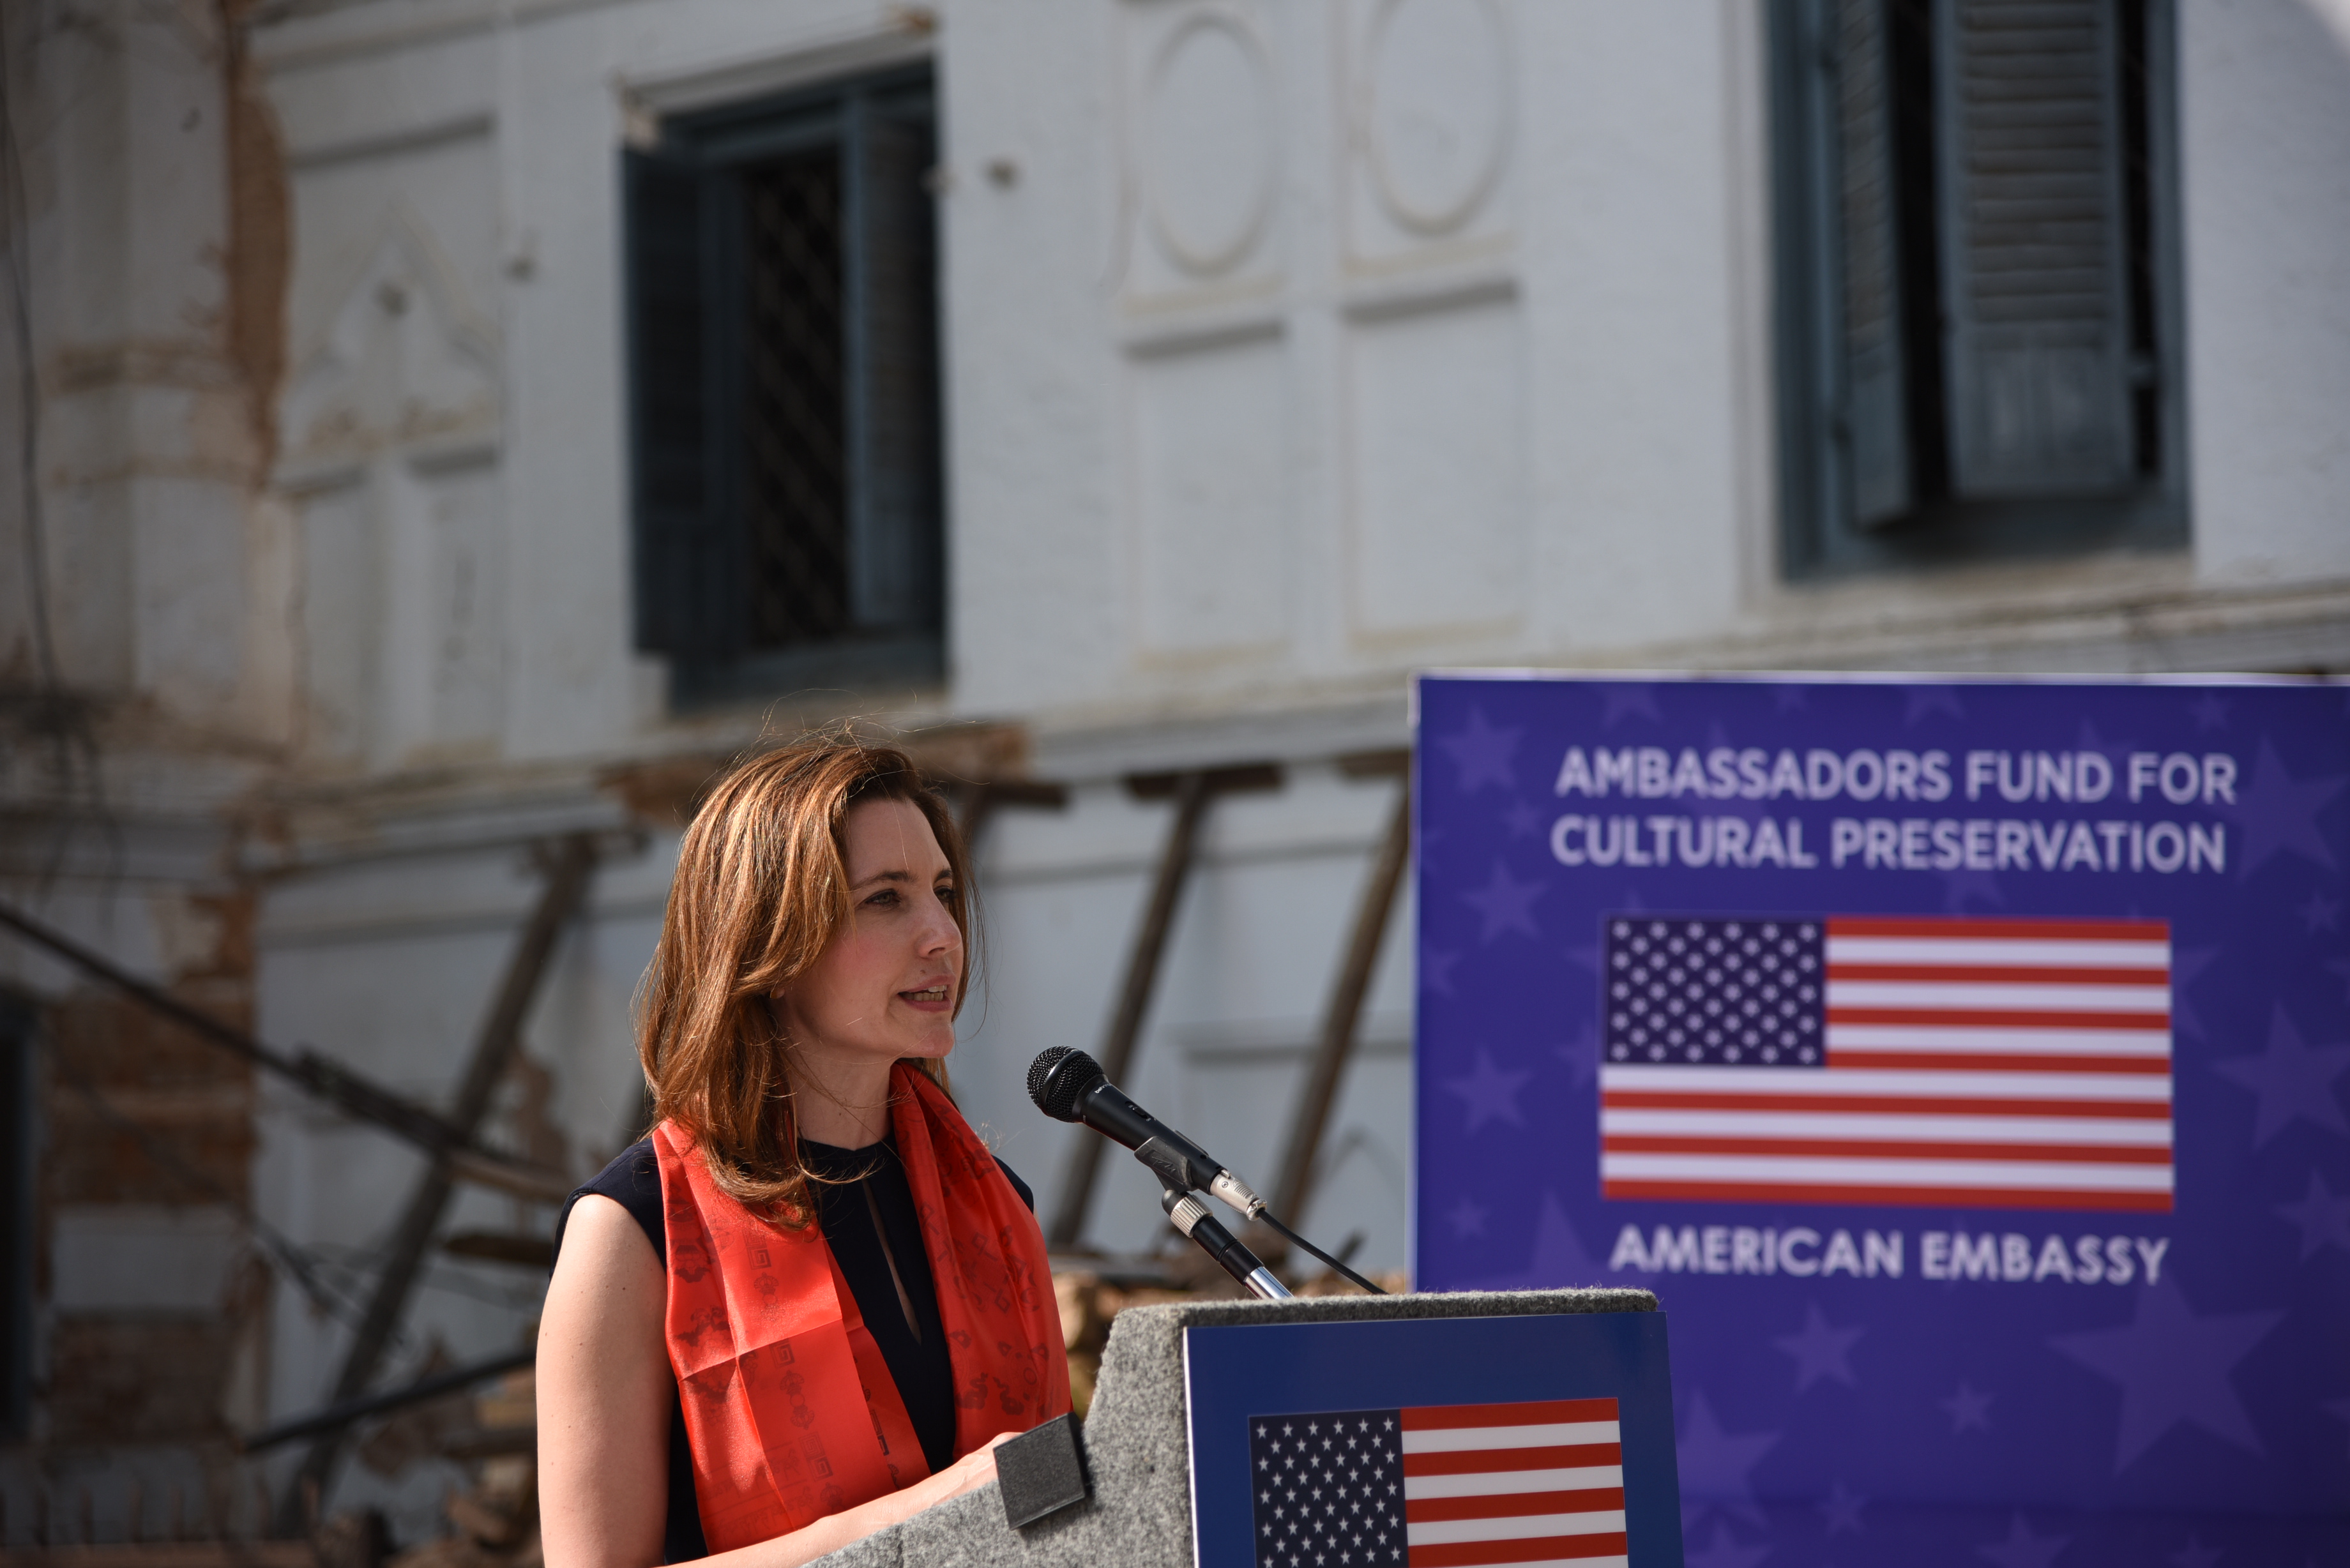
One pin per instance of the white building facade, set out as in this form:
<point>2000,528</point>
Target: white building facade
<point>1261,352</point>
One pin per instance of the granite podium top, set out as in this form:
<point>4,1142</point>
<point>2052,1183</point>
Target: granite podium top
<point>1137,1440</point>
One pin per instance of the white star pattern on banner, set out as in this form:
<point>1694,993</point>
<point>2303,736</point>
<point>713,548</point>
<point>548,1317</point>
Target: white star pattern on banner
<point>1329,1489</point>
<point>1713,991</point>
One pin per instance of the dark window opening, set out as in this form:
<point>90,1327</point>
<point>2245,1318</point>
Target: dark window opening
<point>784,338</point>
<point>796,434</point>
<point>1976,279</point>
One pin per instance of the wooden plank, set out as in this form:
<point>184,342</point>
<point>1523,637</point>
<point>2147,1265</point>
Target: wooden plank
<point>1234,780</point>
<point>355,1096</point>
<point>1192,791</point>
<point>1342,1019</point>
<point>334,1417</point>
<point>978,800</point>
<point>1192,796</point>
<point>500,1035</point>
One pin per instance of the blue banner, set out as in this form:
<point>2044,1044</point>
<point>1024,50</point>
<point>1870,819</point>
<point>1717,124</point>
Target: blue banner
<point>1433,1443</point>
<point>1963,1062</point>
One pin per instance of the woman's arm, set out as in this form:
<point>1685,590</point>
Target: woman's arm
<point>604,1396</point>
<point>604,1401</point>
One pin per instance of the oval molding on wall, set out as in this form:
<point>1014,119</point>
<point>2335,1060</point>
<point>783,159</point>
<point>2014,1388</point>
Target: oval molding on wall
<point>1208,143</point>
<point>1435,115</point>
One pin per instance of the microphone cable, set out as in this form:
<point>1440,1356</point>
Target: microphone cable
<point>1267,1216</point>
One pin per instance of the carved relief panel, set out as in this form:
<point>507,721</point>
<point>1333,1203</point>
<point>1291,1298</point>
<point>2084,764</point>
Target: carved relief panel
<point>1207,363</point>
<point>1214,500</point>
<point>1200,158</point>
<point>1320,317</point>
<point>390,430</point>
<point>1438,536</point>
<point>1431,129</point>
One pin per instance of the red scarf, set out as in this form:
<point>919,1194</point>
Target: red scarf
<point>790,1410</point>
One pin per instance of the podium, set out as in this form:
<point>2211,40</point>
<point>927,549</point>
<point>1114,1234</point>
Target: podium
<point>1465,1352</point>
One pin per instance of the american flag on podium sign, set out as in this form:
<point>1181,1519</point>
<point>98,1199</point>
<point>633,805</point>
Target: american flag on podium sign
<point>1441,1486</point>
<point>2020,1063</point>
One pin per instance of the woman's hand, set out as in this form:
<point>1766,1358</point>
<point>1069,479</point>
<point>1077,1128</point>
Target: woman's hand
<point>974,1470</point>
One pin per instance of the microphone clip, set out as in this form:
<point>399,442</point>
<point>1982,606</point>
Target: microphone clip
<point>1178,1169</point>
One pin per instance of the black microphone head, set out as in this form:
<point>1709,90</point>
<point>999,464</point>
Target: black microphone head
<point>1058,1078</point>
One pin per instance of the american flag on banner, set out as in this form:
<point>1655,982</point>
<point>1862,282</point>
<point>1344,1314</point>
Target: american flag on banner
<point>2014,1064</point>
<point>1441,1486</point>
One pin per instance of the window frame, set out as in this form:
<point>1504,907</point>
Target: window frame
<point>1817,538</point>
<point>715,147</point>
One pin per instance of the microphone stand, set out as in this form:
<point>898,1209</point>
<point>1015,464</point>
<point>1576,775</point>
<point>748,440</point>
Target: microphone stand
<point>1191,1217</point>
<point>1069,1087</point>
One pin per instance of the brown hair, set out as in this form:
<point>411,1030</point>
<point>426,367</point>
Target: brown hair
<point>759,892</point>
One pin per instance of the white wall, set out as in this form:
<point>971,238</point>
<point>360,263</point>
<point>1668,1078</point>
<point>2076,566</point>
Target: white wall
<point>1290,346</point>
<point>1290,349</point>
<point>2264,89</point>
<point>1314,342</point>
<point>1297,344</point>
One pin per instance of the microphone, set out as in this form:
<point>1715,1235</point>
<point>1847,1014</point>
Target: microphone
<point>1070,1086</point>
<point>1191,1217</point>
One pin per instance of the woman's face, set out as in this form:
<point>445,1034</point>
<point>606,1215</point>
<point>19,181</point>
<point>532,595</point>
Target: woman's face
<point>886,987</point>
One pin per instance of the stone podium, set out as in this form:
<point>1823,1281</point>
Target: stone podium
<point>1136,1439</point>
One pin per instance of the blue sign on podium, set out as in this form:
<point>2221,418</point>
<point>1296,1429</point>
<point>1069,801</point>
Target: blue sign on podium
<point>1965,1063</point>
<point>1433,1443</point>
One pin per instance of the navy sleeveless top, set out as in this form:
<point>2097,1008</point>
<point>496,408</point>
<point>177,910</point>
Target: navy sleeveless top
<point>867,1210</point>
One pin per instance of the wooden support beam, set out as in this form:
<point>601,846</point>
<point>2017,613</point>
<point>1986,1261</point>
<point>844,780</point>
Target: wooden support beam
<point>336,1418</point>
<point>977,802</point>
<point>1236,779</point>
<point>321,1077</point>
<point>1192,799</point>
<point>568,871</point>
<point>1192,793</point>
<point>1342,1019</point>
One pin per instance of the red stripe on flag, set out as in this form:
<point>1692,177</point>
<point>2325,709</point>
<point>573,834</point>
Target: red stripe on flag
<point>1513,1505</point>
<point>1531,1412</point>
<point>1999,974</point>
<point>1999,1037</point>
<point>1879,1196</point>
<point>1874,1148</point>
<point>1968,1017</point>
<point>1479,1461</point>
<point>1477,1554</point>
<point>1993,1062</point>
<point>2025,931</point>
<point>1896,1105</point>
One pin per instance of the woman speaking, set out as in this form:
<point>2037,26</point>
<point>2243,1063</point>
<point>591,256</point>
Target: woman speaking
<point>811,1303</point>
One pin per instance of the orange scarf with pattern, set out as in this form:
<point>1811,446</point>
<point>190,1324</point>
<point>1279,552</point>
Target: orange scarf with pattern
<point>790,1410</point>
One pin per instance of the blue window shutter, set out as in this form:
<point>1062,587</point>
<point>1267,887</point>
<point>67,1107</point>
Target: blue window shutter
<point>1874,418</point>
<point>683,597</point>
<point>896,485</point>
<point>2034,252</point>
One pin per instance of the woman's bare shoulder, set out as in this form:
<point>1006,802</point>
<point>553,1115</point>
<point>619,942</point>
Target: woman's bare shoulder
<point>603,1243</point>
